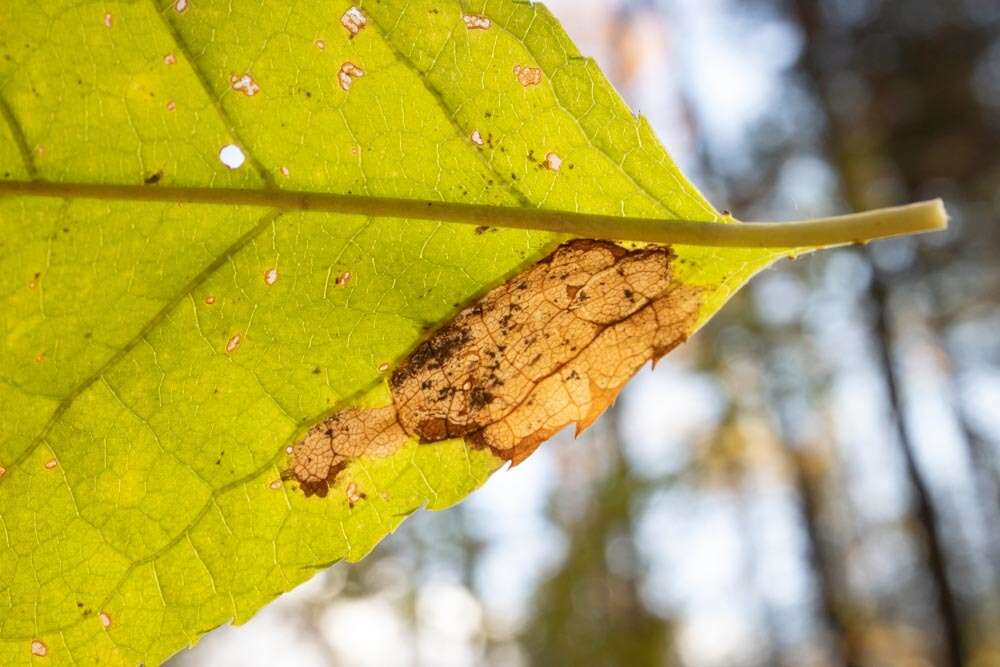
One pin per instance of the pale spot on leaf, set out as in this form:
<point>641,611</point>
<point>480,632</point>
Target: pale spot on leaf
<point>343,278</point>
<point>40,358</point>
<point>354,494</point>
<point>169,59</point>
<point>3,471</point>
<point>181,6</point>
<point>270,276</point>
<point>383,367</point>
<point>477,138</point>
<point>552,162</point>
<point>109,20</point>
<point>210,300</point>
<point>105,620</point>
<point>38,648</point>
<point>348,73</point>
<point>51,464</point>
<point>171,105</point>
<point>232,156</point>
<point>244,84</point>
<point>284,171</point>
<point>354,20</point>
<point>233,343</point>
<point>275,485</point>
<point>476,22</point>
<point>528,76</point>
<point>320,44</point>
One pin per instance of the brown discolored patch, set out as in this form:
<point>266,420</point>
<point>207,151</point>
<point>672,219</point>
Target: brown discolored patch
<point>550,347</point>
<point>244,84</point>
<point>527,75</point>
<point>348,73</point>
<point>330,445</point>
<point>354,21</point>
<point>477,22</point>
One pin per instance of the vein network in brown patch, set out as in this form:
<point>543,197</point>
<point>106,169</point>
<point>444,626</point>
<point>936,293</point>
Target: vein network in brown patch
<point>550,347</point>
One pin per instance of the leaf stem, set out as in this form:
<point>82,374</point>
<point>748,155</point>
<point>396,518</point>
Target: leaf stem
<point>840,230</point>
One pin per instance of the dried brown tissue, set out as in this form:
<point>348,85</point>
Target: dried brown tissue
<point>550,347</point>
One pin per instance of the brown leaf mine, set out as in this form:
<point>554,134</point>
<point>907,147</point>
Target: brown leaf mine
<point>550,347</point>
<point>330,445</point>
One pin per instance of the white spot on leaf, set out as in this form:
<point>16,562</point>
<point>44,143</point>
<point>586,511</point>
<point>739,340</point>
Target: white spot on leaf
<point>383,367</point>
<point>348,73</point>
<point>39,648</point>
<point>232,156</point>
<point>320,44</point>
<point>105,620</point>
<point>354,20</point>
<point>552,161</point>
<point>171,105</point>
<point>275,485</point>
<point>233,343</point>
<point>284,171</point>
<point>476,22</point>
<point>181,6</point>
<point>51,464</point>
<point>477,138</point>
<point>169,59</point>
<point>109,20</point>
<point>244,84</point>
<point>271,276</point>
<point>528,76</point>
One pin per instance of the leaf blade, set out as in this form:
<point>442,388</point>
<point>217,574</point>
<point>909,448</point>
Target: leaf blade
<point>166,426</point>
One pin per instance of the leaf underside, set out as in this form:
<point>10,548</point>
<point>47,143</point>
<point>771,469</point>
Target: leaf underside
<point>158,359</point>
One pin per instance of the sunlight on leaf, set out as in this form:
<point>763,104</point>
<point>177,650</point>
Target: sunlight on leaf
<point>160,358</point>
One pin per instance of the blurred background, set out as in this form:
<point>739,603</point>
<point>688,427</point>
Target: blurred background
<point>815,478</point>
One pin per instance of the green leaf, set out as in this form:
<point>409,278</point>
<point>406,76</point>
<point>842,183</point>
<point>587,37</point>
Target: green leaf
<point>160,355</point>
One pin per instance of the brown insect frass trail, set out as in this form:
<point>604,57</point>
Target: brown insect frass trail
<point>552,346</point>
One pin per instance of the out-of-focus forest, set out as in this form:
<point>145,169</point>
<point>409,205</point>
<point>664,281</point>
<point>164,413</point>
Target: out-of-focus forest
<point>815,478</point>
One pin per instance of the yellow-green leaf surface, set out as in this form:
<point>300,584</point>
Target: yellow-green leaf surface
<point>156,358</point>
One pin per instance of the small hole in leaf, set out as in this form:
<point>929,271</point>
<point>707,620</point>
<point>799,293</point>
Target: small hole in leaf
<point>232,156</point>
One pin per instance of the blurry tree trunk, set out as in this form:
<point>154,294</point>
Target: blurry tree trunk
<point>985,471</point>
<point>808,477</point>
<point>926,514</point>
<point>809,17</point>
<point>808,481</point>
